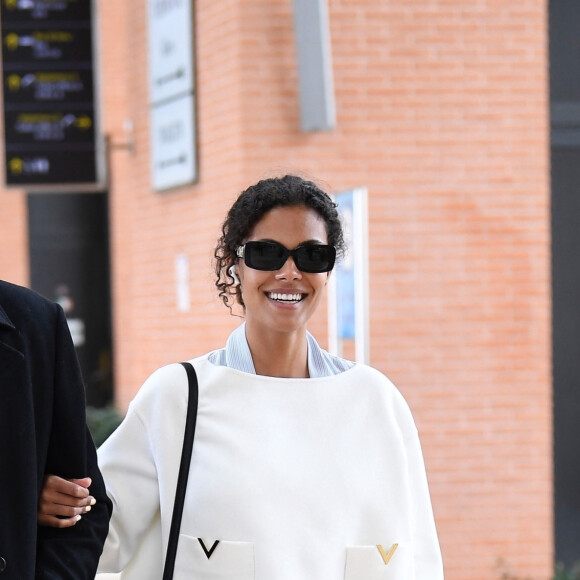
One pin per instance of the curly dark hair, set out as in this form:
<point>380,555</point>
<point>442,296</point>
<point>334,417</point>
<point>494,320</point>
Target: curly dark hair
<point>249,209</point>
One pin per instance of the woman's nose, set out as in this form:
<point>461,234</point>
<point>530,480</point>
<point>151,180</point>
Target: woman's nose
<point>289,271</point>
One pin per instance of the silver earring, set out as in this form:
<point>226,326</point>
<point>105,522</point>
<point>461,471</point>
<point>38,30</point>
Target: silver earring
<point>232,273</point>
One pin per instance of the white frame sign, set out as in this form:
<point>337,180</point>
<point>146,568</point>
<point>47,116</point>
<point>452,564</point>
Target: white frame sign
<point>170,49</point>
<point>171,93</point>
<point>172,138</point>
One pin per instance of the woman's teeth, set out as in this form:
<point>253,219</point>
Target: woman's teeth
<point>285,297</point>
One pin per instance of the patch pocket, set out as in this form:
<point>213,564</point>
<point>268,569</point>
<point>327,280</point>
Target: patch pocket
<point>218,560</point>
<point>382,562</point>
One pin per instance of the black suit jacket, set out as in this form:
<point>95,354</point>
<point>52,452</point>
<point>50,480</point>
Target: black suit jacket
<point>43,430</point>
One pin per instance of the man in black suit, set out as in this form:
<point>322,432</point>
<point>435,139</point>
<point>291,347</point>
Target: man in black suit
<point>43,430</point>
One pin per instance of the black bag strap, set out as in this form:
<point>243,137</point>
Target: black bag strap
<point>183,471</point>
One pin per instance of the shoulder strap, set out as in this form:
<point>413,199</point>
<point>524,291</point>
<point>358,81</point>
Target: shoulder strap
<point>183,472</point>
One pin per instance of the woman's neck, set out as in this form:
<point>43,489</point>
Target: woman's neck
<point>279,354</point>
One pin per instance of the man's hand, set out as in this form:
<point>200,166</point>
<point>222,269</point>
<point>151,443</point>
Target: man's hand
<point>63,501</point>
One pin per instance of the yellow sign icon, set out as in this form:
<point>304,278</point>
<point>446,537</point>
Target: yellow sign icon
<point>13,82</point>
<point>11,41</point>
<point>16,165</point>
<point>84,122</point>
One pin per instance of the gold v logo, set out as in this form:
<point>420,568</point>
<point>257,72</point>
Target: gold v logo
<point>386,556</point>
<point>207,552</point>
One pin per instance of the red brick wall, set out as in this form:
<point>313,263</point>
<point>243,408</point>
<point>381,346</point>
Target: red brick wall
<point>13,237</point>
<point>442,114</point>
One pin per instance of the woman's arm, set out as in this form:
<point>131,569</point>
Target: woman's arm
<point>428,562</point>
<point>129,469</point>
<point>124,458</point>
<point>145,448</point>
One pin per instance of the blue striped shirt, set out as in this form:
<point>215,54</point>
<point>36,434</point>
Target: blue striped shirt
<point>237,355</point>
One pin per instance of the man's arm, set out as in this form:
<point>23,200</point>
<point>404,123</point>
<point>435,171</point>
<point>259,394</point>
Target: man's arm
<point>73,552</point>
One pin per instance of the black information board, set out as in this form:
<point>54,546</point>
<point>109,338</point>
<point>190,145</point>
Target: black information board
<point>48,88</point>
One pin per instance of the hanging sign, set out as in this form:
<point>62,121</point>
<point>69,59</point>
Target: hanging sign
<point>50,125</point>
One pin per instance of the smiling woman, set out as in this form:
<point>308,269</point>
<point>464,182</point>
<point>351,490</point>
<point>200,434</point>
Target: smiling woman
<point>305,465</point>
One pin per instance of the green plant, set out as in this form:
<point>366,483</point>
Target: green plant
<point>505,573</point>
<point>102,422</point>
<point>560,572</point>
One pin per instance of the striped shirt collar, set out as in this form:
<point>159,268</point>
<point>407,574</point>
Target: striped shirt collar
<point>237,355</point>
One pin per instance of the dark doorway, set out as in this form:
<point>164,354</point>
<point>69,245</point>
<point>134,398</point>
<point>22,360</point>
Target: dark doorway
<point>565,160</point>
<point>69,263</point>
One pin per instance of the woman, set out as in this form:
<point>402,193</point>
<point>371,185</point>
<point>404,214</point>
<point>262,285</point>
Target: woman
<point>305,465</point>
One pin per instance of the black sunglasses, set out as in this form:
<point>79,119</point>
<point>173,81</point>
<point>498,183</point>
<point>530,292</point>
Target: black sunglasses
<point>268,256</point>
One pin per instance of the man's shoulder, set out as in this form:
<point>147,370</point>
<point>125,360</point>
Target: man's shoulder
<point>20,305</point>
<point>14,291</point>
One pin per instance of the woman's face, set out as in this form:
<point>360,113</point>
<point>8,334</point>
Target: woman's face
<point>261,290</point>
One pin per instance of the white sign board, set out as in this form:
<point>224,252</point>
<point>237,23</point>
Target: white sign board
<point>182,282</point>
<point>171,93</point>
<point>170,49</point>
<point>173,143</point>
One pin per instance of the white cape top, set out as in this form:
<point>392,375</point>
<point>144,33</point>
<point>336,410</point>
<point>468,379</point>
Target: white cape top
<point>295,479</point>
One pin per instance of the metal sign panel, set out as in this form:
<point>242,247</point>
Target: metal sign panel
<point>50,132</point>
<point>314,59</point>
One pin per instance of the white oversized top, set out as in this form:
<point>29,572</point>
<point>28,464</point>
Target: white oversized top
<point>291,479</point>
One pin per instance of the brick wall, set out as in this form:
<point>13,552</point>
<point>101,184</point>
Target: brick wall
<point>13,237</point>
<point>442,115</point>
